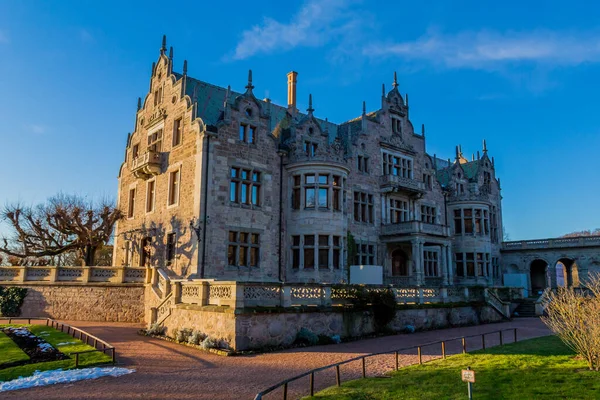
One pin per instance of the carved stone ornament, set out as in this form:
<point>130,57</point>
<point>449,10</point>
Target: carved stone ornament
<point>395,140</point>
<point>157,115</point>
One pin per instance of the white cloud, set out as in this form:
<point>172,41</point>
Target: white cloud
<point>317,23</point>
<point>488,50</point>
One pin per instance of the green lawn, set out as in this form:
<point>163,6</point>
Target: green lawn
<point>60,340</point>
<point>542,368</point>
<point>9,351</point>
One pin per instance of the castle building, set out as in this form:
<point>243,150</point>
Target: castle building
<point>218,184</point>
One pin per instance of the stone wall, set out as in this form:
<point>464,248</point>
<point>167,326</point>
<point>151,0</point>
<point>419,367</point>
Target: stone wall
<point>258,330</point>
<point>102,302</point>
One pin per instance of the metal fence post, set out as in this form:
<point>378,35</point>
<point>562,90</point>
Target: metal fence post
<point>501,340</point>
<point>312,383</point>
<point>483,340</point>
<point>444,349</point>
<point>285,391</point>
<point>419,353</point>
<point>397,365</point>
<point>337,375</point>
<point>515,335</point>
<point>464,345</point>
<point>114,358</point>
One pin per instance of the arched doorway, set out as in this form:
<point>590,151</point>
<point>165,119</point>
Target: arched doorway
<point>537,275</point>
<point>399,263</point>
<point>567,273</point>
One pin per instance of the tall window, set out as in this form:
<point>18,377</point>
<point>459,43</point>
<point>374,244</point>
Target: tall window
<point>243,249</point>
<point>396,125</point>
<point>174,178</point>
<point>131,203</point>
<point>158,96</point>
<point>487,177</point>
<point>244,187</point>
<point>471,221</point>
<point>135,152</point>
<point>472,264</point>
<point>150,195</point>
<point>337,193</point>
<point>145,250</point>
<point>155,141</point>
<point>171,244</point>
<point>430,263</point>
<point>460,188</point>
<point>310,148</point>
<point>247,133</point>
<point>309,252</point>
<point>494,223</point>
<point>427,180</point>
<point>317,190</point>
<point>177,132</point>
<point>428,214</point>
<point>363,207</point>
<point>337,249</point>
<point>363,164</point>
<point>323,251</point>
<point>296,252</point>
<point>397,165</point>
<point>296,192</point>
<point>365,254</point>
<point>398,211</point>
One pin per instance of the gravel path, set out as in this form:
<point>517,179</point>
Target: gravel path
<point>166,370</point>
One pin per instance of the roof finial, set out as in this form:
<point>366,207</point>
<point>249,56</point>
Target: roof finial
<point>153,67</point>
<point>423,130</point>
<point>383,89</point>
<point>163,48</point>
<point>395,84</point>
<point>171,53</point>
<point>310,108</point>
<point>484,147</point>
<point>406,97</point>
<point>139,105</point>
<point>457,153</point>
<point>249,86</point>
<point>184,67</point>
<point>472,156</point>
<point>227,92</point>
<point>364,112</point>
<point>435,161</point>
<point>478,157</point>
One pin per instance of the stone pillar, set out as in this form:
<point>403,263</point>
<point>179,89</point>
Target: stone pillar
<point>286,296</point>
<point>417,246</point>
<point>120,278</point>
<point>451,272</point>
<point>53,274</point>
<point>445,268</point>
<point>237,292</point>
<point>177,292</point>
<point>326,300</point>
<point>87,272</point>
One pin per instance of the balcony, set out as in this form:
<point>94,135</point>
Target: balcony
<point>414,227</point>
<point>395,183</point>
<point>146,165</point>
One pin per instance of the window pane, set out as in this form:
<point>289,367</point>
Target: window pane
<point>256,176</point>
<point>296,258</point>
<point>309,178</point>
<point>295,240</point>
<point>323,240</point>
<point>254,256</point>
<point>255,195</point>
<point>243,237</point>
<point>244,193</point>
<point>309,240</point>
<point>232,236</point>
<point>251,132</point>
<point>323,258</point>
<point>233,191</point>
<point>337,180</point>
<point>323,197</point>
<point>297,180</point>
<point>336,258</point>
<point>245,174</point>
<point>254,238</point>
<point>234,172</point>
<point>242,133</point>
<point>323,179</point>
<point>309,258</point>
<point>309,195</point>
<point>242,262</point>
<point>231,255</point>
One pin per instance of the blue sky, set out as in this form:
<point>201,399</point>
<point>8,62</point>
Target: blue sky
<point>525,78</point>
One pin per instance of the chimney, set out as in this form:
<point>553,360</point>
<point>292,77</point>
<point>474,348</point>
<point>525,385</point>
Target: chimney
<point>292,79</point>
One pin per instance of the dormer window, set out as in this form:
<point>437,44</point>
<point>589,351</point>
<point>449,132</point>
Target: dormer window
<point>311,130</point>
<point>155,141</point>
<point>247,133</point>
<point>158,96</point>
<point>310,148</point>
<point>249,112</point>
<point>487,178</point>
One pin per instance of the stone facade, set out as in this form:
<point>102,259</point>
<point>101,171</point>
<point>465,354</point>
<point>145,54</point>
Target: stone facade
<point>102,302</point>
<point>218,184</point>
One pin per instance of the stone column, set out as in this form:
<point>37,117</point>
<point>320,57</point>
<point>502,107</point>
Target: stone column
<point>450,264</point>
<point>417,247</point>
<point>445,269</point>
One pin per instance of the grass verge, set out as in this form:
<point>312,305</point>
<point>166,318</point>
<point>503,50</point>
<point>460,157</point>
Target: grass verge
<point>542,368</point>
<point>9,351</point>
<point>61,341</point>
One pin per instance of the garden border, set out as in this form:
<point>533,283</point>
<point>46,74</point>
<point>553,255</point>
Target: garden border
<point>73,331</point>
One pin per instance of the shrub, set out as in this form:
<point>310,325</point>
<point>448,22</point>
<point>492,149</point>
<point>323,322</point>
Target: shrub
<point>196,337</point>
<point>11,300</point>
<point>307,337</point>
<point>324,339</point>
<point>383,305</point>
<point>156,329</point>
<point>575,318</point>
<point>183,334</point>
<point>209,343</point>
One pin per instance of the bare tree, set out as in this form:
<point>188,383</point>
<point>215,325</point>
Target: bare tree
<point>574,315</point>
<point>64,224</point>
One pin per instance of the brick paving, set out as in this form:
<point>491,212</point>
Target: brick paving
<point>166,370</point>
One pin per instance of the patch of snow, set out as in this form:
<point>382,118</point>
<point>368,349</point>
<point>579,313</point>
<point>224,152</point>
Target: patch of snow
<point>59,376</point>
<point>65,343</point>
<point>45,347</point>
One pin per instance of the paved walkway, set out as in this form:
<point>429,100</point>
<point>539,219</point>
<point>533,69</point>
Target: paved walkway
<point>166,370</point>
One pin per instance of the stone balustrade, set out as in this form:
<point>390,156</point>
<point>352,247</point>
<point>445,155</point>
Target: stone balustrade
<point>412,227</point>
<point>239,295</point>
<point>72,275</point>
<point>580,241</point>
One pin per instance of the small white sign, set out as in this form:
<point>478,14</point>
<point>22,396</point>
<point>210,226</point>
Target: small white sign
<point>468,375</point>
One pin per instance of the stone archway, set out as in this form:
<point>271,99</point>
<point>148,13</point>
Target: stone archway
<point>567,272</point>
<point>537,276</point>
<point>399,263</point>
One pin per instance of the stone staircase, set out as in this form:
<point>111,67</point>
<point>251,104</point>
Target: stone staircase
<point>526,308</point>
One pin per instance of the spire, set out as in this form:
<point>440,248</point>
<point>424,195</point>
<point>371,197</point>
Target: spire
<point>364,112</point>
<point>395,84</point>
<point>163,48</point>
<point>406,97</point>
<point>435,162</point>
<point>249,86</point>
<point>472,156</point>
<point>484,147</point>
<point>139,105</point>
<point>478,157</point>
<point>184,67</point>
<point>383,90</point>
<point>310,108</point>
<point>171,53</point>
<point>227,92</point>
<point>423,130</point>
<point>457,153</point>
<point>153,67</point>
